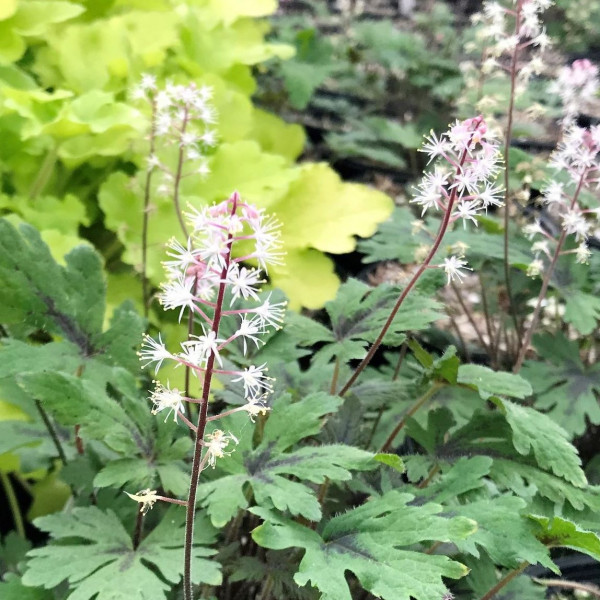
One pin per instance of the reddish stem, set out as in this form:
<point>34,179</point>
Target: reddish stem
<point>436,244</point>
<point>200,428</point>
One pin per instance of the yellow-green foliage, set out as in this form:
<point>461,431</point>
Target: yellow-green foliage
<point>72,139</point>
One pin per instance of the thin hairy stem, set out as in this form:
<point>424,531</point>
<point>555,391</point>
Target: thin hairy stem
<point>146,211</point>
<point>436,244</point>
<point>401,356</point>
<point>488,320</point>
<point>470,317</point>
<point>410,412</point>
<point>545,283</point>
<point>200,428</point>
<point>13,504</point>
<point>335,376</point>
<point>504,581</point>
<point>507,140</point>
<point>52,432</point>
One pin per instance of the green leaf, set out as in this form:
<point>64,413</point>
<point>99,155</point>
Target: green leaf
<point>265,471</point>
<point>582,311</point>
<point>369,541</point>
<point>565,389</point>
<point>358,314</point>
<point>506,535</point>
<point>513,475</point>
<point>494,383</point>
<point>91,550</point>
<point>35,289</point>
<point>391,460</point>
<point>557,531</point>
<point>289,422</point>
<point>13,589</point>
<point>536,432</point>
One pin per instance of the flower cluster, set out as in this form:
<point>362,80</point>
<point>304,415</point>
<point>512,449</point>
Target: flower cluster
<point>183,116</point>
<point>205,278</point>
<point>461,183</point>
<point>510,41</point>
<point>577,156</point>
<point>576,86</point>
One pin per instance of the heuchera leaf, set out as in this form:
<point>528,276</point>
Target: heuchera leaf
<point>369,541</point>
<point>92,551</point>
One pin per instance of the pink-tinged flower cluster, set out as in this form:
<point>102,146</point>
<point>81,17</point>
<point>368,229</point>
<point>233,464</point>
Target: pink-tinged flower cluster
<point>577,156</point>
<point>204,277</point>
<point>576,85</point>
<point>467,161</point>
<point>184,117</point>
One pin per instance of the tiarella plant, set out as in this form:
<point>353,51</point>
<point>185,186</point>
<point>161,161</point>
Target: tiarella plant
<point>206,279</point>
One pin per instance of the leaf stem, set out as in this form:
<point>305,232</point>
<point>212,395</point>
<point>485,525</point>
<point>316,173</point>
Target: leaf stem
<point>13,503</point>
<point>44,173</point>
<point>507,140</point>
<point>335,376</point>
<point>411,411</point>
<point>470,317</point>
<point>146,211</point>
<point>504,581</point>
<point>198,460</point>
<point>51,431</point>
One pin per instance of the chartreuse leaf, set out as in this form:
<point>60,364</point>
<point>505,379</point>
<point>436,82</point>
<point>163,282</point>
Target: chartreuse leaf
<point>557,531</point>
<point>369,541</point>
<point>536,432</point>
<point>565,389</point>
<point>91,550</point>
<point>494,383</point>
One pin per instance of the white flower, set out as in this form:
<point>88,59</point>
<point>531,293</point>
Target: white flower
<point>256,383</point>
<point>167,398</point>
<point>152,351</point>
<point>535,268</point>
<point>147,498</point>
<point>201,348</point>
<point>583,254</point>
<point>248,330</point>
<point>216,443</point>
<point>467,210</point>
<point>242,282</point>
<point>270,314</point>
<point>183,257</point>
<point>452,266</point>
<point>574,222</point>
<point>255,407</point>
<point>178,293</point>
